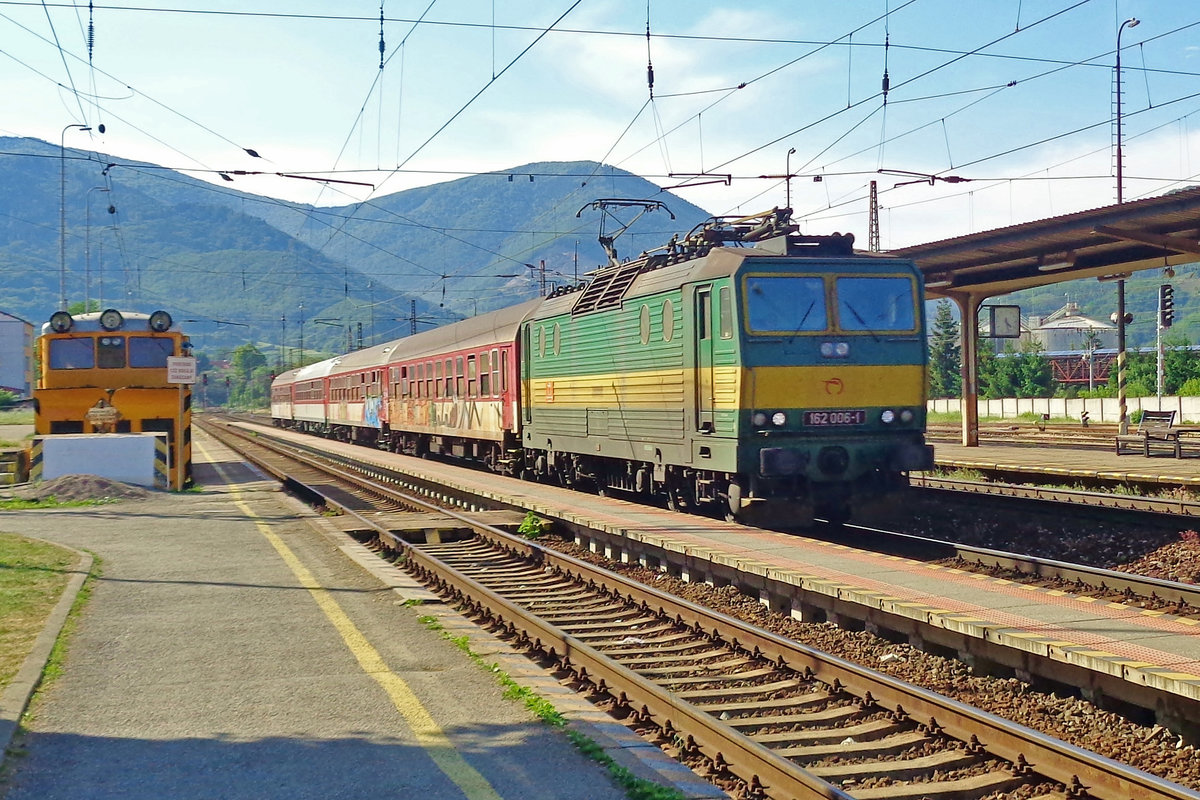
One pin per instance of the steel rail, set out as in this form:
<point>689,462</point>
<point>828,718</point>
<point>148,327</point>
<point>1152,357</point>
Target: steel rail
<point>720,743</point>
<point>1028,750</point>
<point>1176,507</point>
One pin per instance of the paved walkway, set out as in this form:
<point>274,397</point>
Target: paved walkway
<point>230,649</point>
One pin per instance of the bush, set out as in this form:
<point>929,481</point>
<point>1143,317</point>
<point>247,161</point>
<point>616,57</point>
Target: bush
<point>7,399</point>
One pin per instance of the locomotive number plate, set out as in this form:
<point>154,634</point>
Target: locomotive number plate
<point>848,416</point>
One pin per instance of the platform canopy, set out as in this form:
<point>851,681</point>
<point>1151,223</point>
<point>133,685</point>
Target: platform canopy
<point>1112,241</point>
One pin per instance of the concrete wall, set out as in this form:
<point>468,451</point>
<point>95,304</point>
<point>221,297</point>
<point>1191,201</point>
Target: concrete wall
<point>1102,409</point>
<point>16,354</point>
<point>138,458</point>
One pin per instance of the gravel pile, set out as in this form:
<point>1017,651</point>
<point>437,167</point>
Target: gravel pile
<point>72,488</point>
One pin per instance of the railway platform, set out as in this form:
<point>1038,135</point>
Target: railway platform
<point>1108,649</point>
<point>1066,464</point>
<point>237,646</point>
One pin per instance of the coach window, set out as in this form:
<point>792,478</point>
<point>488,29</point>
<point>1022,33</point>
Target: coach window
<point>460,378</point>
<point>668,320</point>
<point>726,313</point>
<point>504,372</point>
<point>485,375</point>
<point>402,391</point>
<point>449,391</point>
<point>495,371</point>
<point>110,352</point>
<point>72,354</point>
<point>472,387</point>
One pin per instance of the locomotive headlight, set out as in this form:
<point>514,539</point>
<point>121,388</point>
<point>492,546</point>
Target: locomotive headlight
<point>827,349</point>
<point>160,321</point>
<point>841,349</point>
<point>888,416</point>
<point>61,322</point>
<point>111,319</point>
<point>759,419</point>
<point>907,416</point>
<point>779,419</point>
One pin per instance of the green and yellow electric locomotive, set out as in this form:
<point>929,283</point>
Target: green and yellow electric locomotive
<point>769,375</point>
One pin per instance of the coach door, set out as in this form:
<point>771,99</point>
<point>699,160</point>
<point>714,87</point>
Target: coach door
<point>704,359</point>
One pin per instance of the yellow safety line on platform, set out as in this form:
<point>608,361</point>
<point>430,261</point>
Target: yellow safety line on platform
<point>429,734</point>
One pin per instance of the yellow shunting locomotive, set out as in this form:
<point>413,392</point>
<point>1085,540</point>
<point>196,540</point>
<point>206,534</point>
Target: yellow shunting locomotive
<point>106,372</point>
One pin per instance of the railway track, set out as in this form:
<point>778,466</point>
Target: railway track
<point>761,715</point>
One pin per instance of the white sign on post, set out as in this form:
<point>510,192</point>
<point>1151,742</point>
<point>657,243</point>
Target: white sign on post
<point>181,369</point>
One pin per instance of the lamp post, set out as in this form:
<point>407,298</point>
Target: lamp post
<point>1122,407</point>
<point>787,181</point>
<point>62,212</point>
<point>87,243</point>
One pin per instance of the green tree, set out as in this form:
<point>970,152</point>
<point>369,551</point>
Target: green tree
<point>999,373</point>
<point>1032,373</point>
<point>248,366</point>
<point>1180,365</point>
<point>7,399</point>
<point>945,354</point>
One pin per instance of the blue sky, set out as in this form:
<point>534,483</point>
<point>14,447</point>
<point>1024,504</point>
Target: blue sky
<point>475,86</point>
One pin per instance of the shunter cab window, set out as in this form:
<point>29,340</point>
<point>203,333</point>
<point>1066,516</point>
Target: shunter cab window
<point>147,352</point>
<point>784,304</point>
<point>110,352</point>
<point>72,354</point>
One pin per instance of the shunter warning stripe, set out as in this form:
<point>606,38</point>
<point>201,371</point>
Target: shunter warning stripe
<point>162,464</point>
<point>35,462</point>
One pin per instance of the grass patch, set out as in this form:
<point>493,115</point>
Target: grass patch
<point>958,474</point>
<point>33,575</point>
<point>20,504</point>
<point>16,416</point>
<point>635,788</point>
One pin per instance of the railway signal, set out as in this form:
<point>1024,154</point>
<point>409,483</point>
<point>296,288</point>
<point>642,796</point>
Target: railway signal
<point>1166,305</point>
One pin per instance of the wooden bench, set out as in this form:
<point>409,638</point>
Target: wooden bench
<point>1155,426</point>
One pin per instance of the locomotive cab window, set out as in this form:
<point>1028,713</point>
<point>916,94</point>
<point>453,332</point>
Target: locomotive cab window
<point>72,354</point>
<point>150,352</point>
<point>876,303</point>
<point>785,304</point>
<point>110,352</point>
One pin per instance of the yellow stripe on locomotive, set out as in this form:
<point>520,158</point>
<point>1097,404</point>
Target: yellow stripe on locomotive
<point>106,372</point>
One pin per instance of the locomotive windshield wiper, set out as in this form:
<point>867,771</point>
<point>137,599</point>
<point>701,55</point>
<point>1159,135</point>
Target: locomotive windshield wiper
<point>803,319</point>
<point>861,321</point>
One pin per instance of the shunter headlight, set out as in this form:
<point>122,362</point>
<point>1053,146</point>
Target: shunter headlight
<point>779,419</point>
<point>888,416</point>
<point>111,319</point>
<point>907,415</point>
<point>160,322</point>
<point>759,419</point>
<point>61,322</point>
